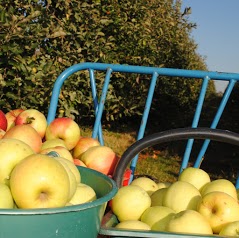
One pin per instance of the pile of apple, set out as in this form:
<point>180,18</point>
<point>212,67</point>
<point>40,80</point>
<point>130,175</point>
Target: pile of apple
<point>194,204</point>
<point>38,161</point>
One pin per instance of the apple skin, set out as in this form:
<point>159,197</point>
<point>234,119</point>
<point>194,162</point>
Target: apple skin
<point>11,117</point>
<point>163,184</point>
<point>222,185</point>
<point>6,199</point>
<point>157,217</point>
<point>195,176</point>
<point>12,151</point>
<point>79,162</point>
<point>66,129</point>
<point>100,158</point>
<point>39,181</point>
<point>3,121</point>
<point>34,118</point>
<point>133,225</point>
<point>181,195</point>
<point>146,183</point>
<point>60,150</point>
<point>2,133</point>
<point>83,144</point>
<point>189,221</point>
<point>218,208</point>
<point>130,202</point>
<point>157,197</point>
<point>230,229</point>
<point>52,143</point>
<point>26,134</point>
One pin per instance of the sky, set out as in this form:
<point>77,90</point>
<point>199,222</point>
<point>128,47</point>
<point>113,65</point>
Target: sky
<point>217,33</point>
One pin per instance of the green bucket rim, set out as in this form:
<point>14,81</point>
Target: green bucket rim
<point>72,208</point>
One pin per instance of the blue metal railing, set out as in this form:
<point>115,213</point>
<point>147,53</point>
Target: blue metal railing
<point>155,72</point>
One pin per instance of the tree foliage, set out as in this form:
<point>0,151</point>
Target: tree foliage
<point>40,39</point>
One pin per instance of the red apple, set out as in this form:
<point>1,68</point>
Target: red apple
<point>100,158</point>
<point>34,118</point>
<point>79,162</point>
<point>11,117</point>
<point>83,144</point>
<point>64,128</point>
<point>26,134</point>
<point>3,121</point>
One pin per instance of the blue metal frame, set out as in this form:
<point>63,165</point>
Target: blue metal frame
<point>155,72</point>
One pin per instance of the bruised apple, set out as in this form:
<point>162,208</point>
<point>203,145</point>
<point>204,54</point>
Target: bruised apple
<point>100,158</point>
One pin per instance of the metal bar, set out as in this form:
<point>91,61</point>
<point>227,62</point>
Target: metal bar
<point>216,119</point>
<point>196,118</point>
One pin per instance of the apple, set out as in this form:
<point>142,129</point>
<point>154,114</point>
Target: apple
<point>181,196</point>
<point>2,133</point>
<point>132,225</point>
<point>26,134</point>
<point>157,197</point>
<point>83,144</point>
<point>34,118</point>
<point>157,217</point>
<point>3,121</point>
<point>163,184</point>
<point>12,151</point>
<point>60,150</point>
<point>222,185</point>
<point>100,158</point>
<point>39,181</point>
<point>6,199</point>
<point>130,202</point>
<point>195,176</point>
<point>52,143</point>
<point>84,193</point>
<point>79,162</point>
<point>66,129</point>
<point>146,183</point>
<point>219,208</point>
<point>11,117</point>
<point>189,221</point>
<point>230,229</point>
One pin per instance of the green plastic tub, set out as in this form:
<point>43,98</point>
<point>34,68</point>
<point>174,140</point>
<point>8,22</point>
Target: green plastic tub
<point>79,221</point>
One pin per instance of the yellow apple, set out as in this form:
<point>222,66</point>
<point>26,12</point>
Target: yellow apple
<point>163,184</point>
<point>39,181</point>
<point>195,176</point>
<point>146,183</point>
<point>26,134</point>
<point>66,129</point>
<point>230,229</point>
<point>11,117</point>
<point>84,193</point>
<point>181,196</point>
<point>219,208</point>
<point>133,225</point>
<point>189,221</point>
<point>34,118</point>
<point>6,199</point>
<point>130,202</point>
<point>53,143</point>
<point>12,151</point>
<point>157,217</point>
<point>222,185</point>
<point>2,133</point>
<point>157,197</point>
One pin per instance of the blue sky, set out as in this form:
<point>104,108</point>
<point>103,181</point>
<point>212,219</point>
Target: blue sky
<point>217,33</point>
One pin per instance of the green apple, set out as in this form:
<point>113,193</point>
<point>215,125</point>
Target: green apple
<point>189,221</point>
<point>195,176</point>
<point>146,183</point>
<point>230,229</point>
<point>157,217</point>
<point>219,208</point>
<point>39,181</point>
<point>66,129</point>
<point>157,197</point>
<point>6,199</point>
<point>53,143</point>
<point>130,202</point>
<point>222,185</point>
<point>12,151</point>
<point>84,193</point>
<point>181,196</point>
<point>133,225</point>
<point>163,184</point>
